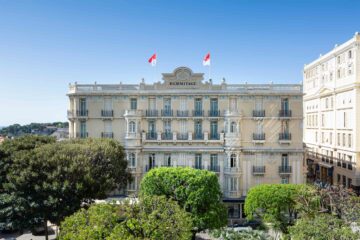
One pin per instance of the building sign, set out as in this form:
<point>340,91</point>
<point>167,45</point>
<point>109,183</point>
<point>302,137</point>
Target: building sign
<point>182,77</point>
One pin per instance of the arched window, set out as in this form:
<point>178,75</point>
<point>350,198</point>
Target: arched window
<point>132,127</point>
<point>132,160</point>
<point>233,127</point>
<point>232,160</point>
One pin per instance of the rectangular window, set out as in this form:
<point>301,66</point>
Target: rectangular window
<point>233,184</point>
<point>198,105</point>
<point>213,130</point>
<point>198,161</point>
<point>133,103</point>
<point>284,180</point>
<point>284,160</point>
<point>339,179</point>
<point>350,54</point>
<point>344,181</point>
<point>213,161</point>
<point>345,120</point>
<point>322,120</point>
<point>284,104</point>
<point>83,133</point>
<point>343,140</point>
<point>349,140</point>
<point>316,137</point>
<point>167,160</point>
<point>213,104</point>
<point>322,138</point>
<point>330,138</point>
<point>338,139</point>
<point>107,104</point>
<point>198,129</point>
<point>82,105</point>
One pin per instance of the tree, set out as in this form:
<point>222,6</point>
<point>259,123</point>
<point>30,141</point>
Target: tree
<point>152,217</point>
<point>196,191</point>
<point>12,206</point>
<point>55,179</point>
<point>321,227</point>
<point>274,203</point>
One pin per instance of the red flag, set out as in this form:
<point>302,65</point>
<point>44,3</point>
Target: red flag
<point>152,60</point>
<point>206,61</point>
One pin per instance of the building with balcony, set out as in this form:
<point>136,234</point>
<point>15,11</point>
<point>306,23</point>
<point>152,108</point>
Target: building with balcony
<point>247,134</point>
<point>332,116</point>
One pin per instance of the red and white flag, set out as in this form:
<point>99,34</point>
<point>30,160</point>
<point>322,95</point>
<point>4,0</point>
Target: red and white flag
<point>206,61</point>
<point>152,60</point>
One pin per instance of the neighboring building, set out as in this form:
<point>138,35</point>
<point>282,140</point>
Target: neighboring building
<point>332,115</point>
<point>2,139</point>
<point>61,134</point>
<point>247,134</point>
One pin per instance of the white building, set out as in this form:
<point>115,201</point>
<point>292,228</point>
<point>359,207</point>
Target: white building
<point>332,115</point>
<point>247,134</point>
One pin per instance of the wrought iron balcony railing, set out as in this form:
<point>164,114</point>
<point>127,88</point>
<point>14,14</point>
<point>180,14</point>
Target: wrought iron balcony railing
<point>258,136</point>
<point>214,168</point>
<point>166,136</point>
<point>258,113</point>
<point>82,113</point>
<point>285,169</point>
<point>151,113</point>
<point>180,113</point>
<point>198,113</point>
<point>258,169</point>
<point>182,136</point>
<point>284,136</point>
<point>198,136</point>
<point>151,136</point>
<point>285,113</point>
<point>214,136</point>
<point>214,113</point>
<point>107,113</point>
<point>107,135</point>
<point>167,113</point>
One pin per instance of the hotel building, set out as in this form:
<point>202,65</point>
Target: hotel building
<point>247,134</point>
<point>332,115</point>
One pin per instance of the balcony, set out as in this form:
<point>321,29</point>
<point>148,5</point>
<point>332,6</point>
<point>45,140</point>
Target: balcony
<point>322,158</point>
<point>214,113</point>
<point>214,168</point>
<point>258,170</point>
<point>196,166</point>
<point>133,112</point>
<point>167,136</point>
<point>182,136</point>
<point>166,113</point>
<point>198,136</point>
<point>285,113</point>
<point>151,136</point>
<point>198,113</point>
<point>70,114</point>
<point>232,194</point>
<point>285,170</point>
<point>258,137</point>
<point>258,113</point>
<point>107,135</point>
<point>180,113</point>
<point>82,113</point>
<point>151,113</point>
<point>231,169</point>
<point>82,134</point>
<point>285,137</point>
<point>107,113</point>
<point>214,136</point>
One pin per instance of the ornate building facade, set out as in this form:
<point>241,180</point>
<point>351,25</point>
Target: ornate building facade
<point>247,134</point>
<point>332,115</point>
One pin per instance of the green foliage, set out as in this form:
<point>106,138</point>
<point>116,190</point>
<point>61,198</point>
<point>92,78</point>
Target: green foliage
<point>321,227</point>
<point>274,203</point>
<point>97,222</point>
<point>231,234</point>
<point>19,130</point>
<point>152,217</point>
<point>51,181</point>
<point>196,191</point>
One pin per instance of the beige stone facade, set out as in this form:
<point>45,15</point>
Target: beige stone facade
<point>248,134</point>
<point>332,115</point>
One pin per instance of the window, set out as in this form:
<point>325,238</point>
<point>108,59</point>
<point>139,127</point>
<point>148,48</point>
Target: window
<point>83,133</point>
<point>349,183</point>
<point>350,54</point>
<point>133,103</point>
<point>198,105</point>
<point>213,161</point>
<point>284,160</point>
<point>132,127</point>
<point>343,140</point>
<point>82,106</point>
<point>338,60</point>
<point>322,120</point>
<point>284,180</point>
<point>132,185</point>
<point>132,160</point>
<point>167,160</point>
<point>198,161</point>
<point>316,136</point>
<point>349,140</point>
<point>233,184</point>
<point>344,180</point>
<point>322,137</point>
<point>327,103</point>
<point>232,160</point>
<point>213,130</point>
<point>338,139</point>
<point>151,161</point>
<point>330,138</point>
<point>339,179</point>
<point>345,120</point>
<point>233,127</point>
<point>284,104</point>
<point>213,105</point>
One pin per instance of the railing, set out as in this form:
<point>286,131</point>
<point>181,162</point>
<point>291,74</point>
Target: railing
<point>182,136</point>
<point>70,114</point>
<point>232,169</point>
<point>285,113</point>
<point>284,136</point>
<point>167,136</point>
<point>151,113</point>
<point>258,136</point>
<point>214,168</point>
<point>331,160</point>
<point>82,113</point>
<point>198,113</point>
<point>285,169</point>
<point>107,135</point>
<point>167,113</point>
<point>198,166</point>
<point>181,113</point>
<point>151,136</point>
<point>258,113</point>
<point>214,113</point>
<point>214,136</point>
<point>259,169</point>
<point>198,136</point>
<point>107,113</point>
<point>82,134</point>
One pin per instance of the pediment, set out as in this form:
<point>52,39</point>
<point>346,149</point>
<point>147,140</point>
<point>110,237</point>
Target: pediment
<point>182,77</point>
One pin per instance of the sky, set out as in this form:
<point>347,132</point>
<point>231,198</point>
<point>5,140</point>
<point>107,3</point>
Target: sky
<point>45,45</point>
